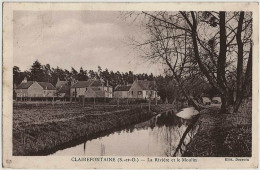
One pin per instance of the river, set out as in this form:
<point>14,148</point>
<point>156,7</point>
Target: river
<point>158,136</point>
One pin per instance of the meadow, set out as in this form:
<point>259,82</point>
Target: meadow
<point>41,128</point>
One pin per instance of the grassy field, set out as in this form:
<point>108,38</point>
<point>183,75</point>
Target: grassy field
<point>226,135</point>
<point>38,128</point>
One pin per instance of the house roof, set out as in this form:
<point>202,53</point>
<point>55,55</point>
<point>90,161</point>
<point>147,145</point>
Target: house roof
<point>59,84</point>
<point>146,85</point>
<point>46,86</point>
<point>96,83</point>
<point>25,85</point>
<point>123,88</point>
<point>82,84</point>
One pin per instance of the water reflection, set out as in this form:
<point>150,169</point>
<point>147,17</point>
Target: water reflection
<point>160,136</point>
<point>187,113</point>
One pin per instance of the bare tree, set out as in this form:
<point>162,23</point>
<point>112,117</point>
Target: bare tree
<point>214,45</point>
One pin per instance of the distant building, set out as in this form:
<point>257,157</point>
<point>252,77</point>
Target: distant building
<point>63,88</point>
<point>122,91</point>
<point>35,89</point>
<point>22,89</point>
<point>91,88</point>
<point>94,92</point>
<point>206,100</point>
<point>143,89</point>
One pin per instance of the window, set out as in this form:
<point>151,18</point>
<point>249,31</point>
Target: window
<point>132,92</point>
<point>86,89</point>
<point>139,92</point>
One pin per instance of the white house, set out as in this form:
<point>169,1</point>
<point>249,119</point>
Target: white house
<point>35,89</point>
<point>86,88</point>
<point>143,89</point>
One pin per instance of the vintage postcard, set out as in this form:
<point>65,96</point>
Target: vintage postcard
<point>130,85</point>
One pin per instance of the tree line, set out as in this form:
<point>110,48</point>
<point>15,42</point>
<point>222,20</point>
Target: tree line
<point>166,85</point>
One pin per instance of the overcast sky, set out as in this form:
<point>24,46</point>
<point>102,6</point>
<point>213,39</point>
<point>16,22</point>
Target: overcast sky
<point>78,38</point>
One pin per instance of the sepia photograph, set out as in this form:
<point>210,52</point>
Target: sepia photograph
<point>132,83</point>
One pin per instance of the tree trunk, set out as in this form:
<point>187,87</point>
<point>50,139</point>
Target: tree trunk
<point>220,85</point>
<point>247,82</point>
<point>149,105</point>
<point>224,104</point>
<point>247,85</point>
<point>240,57</point>
<point>202,67</point>
<point>221,63</point>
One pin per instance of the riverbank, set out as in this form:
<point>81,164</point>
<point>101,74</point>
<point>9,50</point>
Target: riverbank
<point>38,129</point>
<point>222,135</point>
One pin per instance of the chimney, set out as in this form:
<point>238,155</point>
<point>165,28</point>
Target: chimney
<point>24,80</point>
<point>58,79</point>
